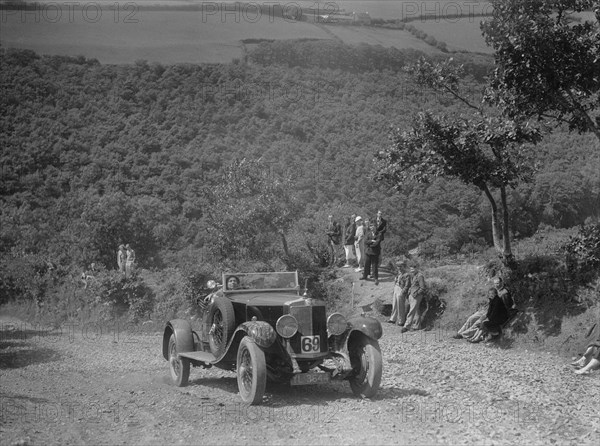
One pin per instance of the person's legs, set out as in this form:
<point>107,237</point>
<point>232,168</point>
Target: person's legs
<point>367,270</point>
<point>396,297</point>
<point>414,304</point>
<point>375,263</point>
<point>359,257</point>
<point>594,364</point>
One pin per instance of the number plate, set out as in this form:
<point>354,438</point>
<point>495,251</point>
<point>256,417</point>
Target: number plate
<point>310,344</point>
<point>310,378</point>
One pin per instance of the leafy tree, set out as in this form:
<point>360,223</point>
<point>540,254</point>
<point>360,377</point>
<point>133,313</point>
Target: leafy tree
<point>250,207</point>
<point>547,60</point>
<point>481,149</point>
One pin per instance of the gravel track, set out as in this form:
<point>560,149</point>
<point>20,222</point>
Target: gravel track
<point>83,385</point>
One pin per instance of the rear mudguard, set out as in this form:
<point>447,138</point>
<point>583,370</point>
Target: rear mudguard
<point>184,338</point>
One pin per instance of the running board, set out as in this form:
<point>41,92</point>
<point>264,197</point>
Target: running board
<point>206,357</point>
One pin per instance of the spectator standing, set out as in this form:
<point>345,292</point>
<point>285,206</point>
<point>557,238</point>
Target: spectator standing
<point>334,235</point>
<point>121,258</point>
<point>372,242</point>
<point>401,287</point>
<point>417,291</point>
<point>381,228</point>
<point>130,262</point>
<point>349,232</point>
<point>359,243</point>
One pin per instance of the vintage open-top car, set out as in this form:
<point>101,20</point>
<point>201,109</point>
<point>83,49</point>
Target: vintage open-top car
<point>260,325</point>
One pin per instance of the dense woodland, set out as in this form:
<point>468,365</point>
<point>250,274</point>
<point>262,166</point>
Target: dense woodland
<point>98,155</point>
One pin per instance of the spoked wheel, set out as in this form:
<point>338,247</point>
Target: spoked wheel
<point>251,371</point>
<point>222,319</point>
<point>367,367</point>
<point>180,367</point>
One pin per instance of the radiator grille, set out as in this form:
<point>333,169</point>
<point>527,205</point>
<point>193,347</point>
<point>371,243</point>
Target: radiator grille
<point>303,315</point>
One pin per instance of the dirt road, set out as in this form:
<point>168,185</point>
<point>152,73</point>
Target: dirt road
<point>100,385</point>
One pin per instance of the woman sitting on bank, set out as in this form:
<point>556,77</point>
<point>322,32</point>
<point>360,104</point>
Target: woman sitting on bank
<point>496,316</point>
<point>591,358</point>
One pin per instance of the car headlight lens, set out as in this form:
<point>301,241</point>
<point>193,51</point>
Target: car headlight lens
<point>286,326</point>
<point>336,324</point>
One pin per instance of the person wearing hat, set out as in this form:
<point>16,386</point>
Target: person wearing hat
<point>121,258</point>
<point>349,231</point>
<point>359,243</point>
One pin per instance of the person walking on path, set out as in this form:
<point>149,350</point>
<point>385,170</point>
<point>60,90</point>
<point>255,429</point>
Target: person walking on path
<point>121,258</point>
<point>334,235</point>
<point>359,244</point>
<point>372,241</point>
<point>416,294</point>
<point>130,262</point>
<point>349,232</point>
<point>401,287</point>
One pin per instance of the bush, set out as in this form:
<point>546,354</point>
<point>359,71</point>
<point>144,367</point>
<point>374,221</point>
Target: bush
<point>583,253</point>
<point>120,295</point>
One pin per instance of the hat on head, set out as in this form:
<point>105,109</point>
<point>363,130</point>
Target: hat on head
<point>357,218</point>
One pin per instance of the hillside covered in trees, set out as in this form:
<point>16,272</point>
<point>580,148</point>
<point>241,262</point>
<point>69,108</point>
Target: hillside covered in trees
<point>98,155</point>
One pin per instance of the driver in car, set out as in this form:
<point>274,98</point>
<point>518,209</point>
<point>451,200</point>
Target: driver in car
<point>233,283</point>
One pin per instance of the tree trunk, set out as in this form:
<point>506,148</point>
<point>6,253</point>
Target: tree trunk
<point>284,243</point>
<point>507,255</point>
<point>496,230</point>
<point>500,231</point>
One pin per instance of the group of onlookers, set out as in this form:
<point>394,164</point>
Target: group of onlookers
<point>126,259</point>
<point>486,323</point>
<point>409,291</point>
<point>362,240</point>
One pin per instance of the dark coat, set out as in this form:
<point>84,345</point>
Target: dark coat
<point>372,242</point>
<point>381,228</point>
<point>350,233</point>
<point>497,315</point>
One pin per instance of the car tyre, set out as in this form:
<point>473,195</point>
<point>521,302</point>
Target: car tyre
<point>222,321</point>
<point>367,366</point>
<point>251,371</point>
<point>180,367</point>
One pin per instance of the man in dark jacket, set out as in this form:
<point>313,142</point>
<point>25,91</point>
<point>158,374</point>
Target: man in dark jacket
<point>373,248</point>
<point>381,228</point>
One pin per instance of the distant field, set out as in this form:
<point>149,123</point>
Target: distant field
<point>459,34</point>
<point>161,36</point>
<point>124,31</point>
<point>380,36</point>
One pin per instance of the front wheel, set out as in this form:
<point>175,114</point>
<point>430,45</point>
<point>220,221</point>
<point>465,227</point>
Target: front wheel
<point>367,367</point>
<point>180,367</point>
<point>251,371</point>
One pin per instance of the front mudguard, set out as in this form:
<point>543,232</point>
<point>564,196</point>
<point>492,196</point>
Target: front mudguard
<point>262,333</point>
<point>358,327</point>
<point>184,337</point>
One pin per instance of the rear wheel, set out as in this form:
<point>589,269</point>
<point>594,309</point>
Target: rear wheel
<point>222,320</point>
<point>251,371</point>
<point>367,366</point>
<point>180,367</point>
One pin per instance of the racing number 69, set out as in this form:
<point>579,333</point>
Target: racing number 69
<point>311,343</point>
